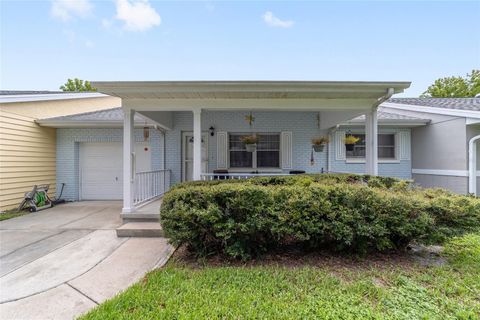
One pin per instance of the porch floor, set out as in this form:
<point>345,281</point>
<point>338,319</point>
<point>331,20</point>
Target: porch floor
<point>148,212</point>
<point>151,208</point>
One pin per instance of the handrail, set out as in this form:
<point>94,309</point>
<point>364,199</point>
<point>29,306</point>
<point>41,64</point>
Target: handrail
<point>150,184</point>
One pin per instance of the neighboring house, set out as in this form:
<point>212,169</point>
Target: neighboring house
<point>27,150</point>
<point>446,152</point>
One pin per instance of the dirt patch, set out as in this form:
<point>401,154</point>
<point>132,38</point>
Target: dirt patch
<point>293,257</point>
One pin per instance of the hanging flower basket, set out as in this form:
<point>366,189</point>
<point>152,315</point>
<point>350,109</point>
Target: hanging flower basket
<point>350,142</point>
<point>318,144</point>
<point>318,147</point>
<point>250,143</point>
<point>251,147</point>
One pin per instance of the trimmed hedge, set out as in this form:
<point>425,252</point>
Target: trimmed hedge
<point>243,218</point>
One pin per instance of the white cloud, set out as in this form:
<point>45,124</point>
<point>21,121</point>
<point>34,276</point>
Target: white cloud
<point>67,9</point>
<point>273,21</point>
<point>138,15</point>
<point>89,44</point>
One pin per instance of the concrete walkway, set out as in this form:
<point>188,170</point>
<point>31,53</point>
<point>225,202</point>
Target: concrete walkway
<point>61,262</point>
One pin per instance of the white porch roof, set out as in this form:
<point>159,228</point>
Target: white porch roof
<point>249,89</point>
<point>291,95</point>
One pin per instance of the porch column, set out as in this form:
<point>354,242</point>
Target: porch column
<point>472,165</point>
<point>128,161</point>
<point>371,142</point>
<point>197,144</point>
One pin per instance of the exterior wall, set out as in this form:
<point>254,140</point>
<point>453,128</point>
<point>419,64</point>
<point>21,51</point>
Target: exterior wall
<point>473,131</point>
<point>454,183</point>
<point>28,151</point>
<point>27,157</point>
<point>57,108</point>
<point>303,126</point>
<point>440,146</point>
<point>443,145</point>
<point>68,146</point>
<point>398,168</point>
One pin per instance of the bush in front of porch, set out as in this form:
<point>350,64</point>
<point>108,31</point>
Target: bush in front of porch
<point>244,218</point>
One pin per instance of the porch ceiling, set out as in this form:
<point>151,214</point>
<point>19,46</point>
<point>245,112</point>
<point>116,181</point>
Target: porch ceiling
<point>294,95</point>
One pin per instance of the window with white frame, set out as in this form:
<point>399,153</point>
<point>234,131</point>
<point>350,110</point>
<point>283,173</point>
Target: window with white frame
<point>386,147</point>
<point>267,154</point>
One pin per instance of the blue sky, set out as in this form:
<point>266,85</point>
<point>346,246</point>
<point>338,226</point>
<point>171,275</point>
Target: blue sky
<point>45,42</point>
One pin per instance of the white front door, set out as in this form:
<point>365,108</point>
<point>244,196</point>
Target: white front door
<point>101,168</point>
<point>187,155</point>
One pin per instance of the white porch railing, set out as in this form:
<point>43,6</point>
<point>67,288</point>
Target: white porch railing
<point>229,176</point>
<point>150,184</point>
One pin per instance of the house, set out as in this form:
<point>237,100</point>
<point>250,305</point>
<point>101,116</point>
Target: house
<point>27,150</point>
<point>189,130</point>
<point>162,120</point>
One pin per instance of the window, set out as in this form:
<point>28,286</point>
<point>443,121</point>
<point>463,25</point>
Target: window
<point>386,147</point>
<point>267,154</point>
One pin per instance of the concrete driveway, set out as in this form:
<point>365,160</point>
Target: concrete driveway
<point>61,262</point>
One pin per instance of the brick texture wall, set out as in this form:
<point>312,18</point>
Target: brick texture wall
<point>303,126</point>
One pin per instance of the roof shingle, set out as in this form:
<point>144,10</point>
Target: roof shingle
<point>469,104</point>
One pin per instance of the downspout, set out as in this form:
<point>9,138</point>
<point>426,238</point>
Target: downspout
<point>390,92</point>
<point>371,135</point>
<point>472,165</point>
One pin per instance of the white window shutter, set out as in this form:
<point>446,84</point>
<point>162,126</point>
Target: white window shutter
<point>222,150</point>
<point>340,152</point>
<point>404,145</point>
<point>286,150</point>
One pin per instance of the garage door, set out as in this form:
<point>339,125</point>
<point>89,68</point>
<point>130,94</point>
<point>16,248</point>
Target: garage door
<point>101,169</point>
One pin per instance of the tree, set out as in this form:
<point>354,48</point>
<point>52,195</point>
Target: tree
<point>77,85</point>
<point>455,87</point>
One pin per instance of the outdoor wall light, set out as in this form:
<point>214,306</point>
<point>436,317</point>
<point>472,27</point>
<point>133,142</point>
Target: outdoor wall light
<point>212,130</point>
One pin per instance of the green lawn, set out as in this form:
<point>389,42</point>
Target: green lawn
<point>369,291</point>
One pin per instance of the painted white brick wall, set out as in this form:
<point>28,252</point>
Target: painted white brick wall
<point>303,126</point>
<point>68,146</point>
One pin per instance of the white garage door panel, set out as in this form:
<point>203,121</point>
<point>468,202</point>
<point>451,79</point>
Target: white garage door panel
<point>101,169</point>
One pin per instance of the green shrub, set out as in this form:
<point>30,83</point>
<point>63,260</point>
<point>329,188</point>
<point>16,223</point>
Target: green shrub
<point>243,218</point>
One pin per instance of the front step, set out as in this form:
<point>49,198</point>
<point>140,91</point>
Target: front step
<point>140,217</point>
<point>140,229</point>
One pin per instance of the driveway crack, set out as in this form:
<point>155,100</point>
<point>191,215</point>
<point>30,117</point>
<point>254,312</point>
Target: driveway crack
<point>83,294</point>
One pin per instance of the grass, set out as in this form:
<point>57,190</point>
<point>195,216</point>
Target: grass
<point>180,291</point>
<point>13,213</point>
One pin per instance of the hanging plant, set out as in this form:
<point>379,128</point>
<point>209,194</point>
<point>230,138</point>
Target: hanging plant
<point>319,143</point>
<point>350,142</point>
<point>250,142</point>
